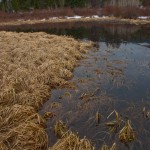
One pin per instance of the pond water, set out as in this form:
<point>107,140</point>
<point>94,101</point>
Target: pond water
<point>116,76</point>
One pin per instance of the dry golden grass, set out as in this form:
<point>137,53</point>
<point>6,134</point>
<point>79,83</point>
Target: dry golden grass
<point>105,147</point>
<point>31,65</point>
<point>127,134</point>
<point>21,127</point>
<point>114,124</point>
<point>72,141</point>
<point>68,140</point>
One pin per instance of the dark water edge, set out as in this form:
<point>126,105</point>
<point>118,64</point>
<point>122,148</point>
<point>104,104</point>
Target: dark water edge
<point>115,77</point>
<point>95,31</point>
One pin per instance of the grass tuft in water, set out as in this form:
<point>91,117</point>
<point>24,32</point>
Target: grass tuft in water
<point>106,147</point>
<point>69,140</point>
<point>127,134</point>
<point>114,124</point>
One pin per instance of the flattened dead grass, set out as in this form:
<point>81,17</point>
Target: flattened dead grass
<point>31,65</point>
<point>71,141</point>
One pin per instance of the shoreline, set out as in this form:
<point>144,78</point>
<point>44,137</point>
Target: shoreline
<point>82,19</point>
<point>32,65</point>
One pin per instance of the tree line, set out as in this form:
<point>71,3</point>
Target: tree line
<point>16,5</point>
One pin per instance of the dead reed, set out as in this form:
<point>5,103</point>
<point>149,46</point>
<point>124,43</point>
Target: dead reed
<point>72,141</point>
<point>106,147</point>
<point>31,65</point>
<point>127,134</point>
<point>68,140</point>
<point>113,125</point>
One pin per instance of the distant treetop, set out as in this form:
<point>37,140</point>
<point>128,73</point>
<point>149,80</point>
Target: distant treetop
<point>15,5</point>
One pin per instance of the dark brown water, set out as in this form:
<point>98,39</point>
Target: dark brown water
<point>115,77</point>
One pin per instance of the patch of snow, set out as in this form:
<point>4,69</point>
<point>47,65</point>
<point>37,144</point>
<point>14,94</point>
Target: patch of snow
<point>104,16</point>
<point>95,16</point>
<point>143,17</point>
<point>54,18</point>
<point>74,17</point>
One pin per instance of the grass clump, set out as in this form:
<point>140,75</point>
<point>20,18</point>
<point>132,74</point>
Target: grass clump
<point>106,147</point>
<point>48,115</point>
<point>72,142</point>
<point>69,140</point>
<point>127,134</point>
<point>60,129</point>
<point>21,126</point>
<point>114,124</point>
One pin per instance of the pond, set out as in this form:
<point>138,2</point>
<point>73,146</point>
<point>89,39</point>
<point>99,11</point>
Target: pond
<point>114,78</point>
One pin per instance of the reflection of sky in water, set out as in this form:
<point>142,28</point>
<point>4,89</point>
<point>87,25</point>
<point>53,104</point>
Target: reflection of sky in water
<point>137,70</point>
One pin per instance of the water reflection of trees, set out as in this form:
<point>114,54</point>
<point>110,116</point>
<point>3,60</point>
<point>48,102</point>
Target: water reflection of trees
<point>112,34</point>
<point>117,34</point>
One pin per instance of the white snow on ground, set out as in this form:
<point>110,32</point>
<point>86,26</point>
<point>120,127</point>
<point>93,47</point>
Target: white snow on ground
<point>104,16</point>
<point>87,17</point>
<point>54,18</point>
<point>74,17</point>
<point>95,16</point>
<point>79,17</point>
<point>144,17</point>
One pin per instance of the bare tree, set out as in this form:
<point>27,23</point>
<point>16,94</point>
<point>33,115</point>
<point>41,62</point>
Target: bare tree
<point>123,3</point>
<point>7,5</point>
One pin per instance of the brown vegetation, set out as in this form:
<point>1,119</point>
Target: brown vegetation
<point>113,20</point>
<point>105,147</point>
<point>125,11</point>
<point>40,14</point>
<point>31,65</point>
<point>115,13</point>
<point>71,141</point>
<point>123,3</point>
<point>68,140</point>
<point>127,134</point>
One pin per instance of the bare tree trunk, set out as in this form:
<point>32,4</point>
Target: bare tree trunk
<point>123,3</point>
<point>62,3</point>
<point>7,5</point>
